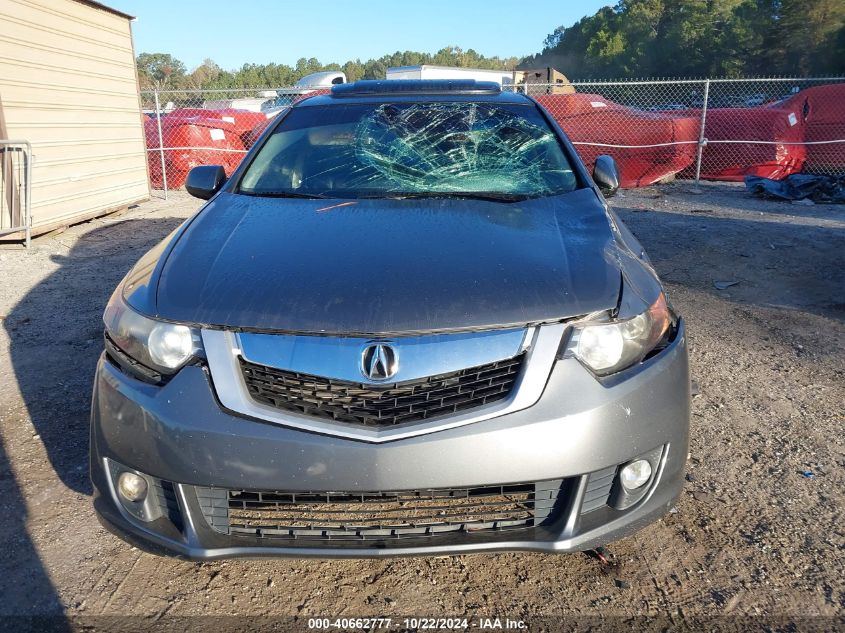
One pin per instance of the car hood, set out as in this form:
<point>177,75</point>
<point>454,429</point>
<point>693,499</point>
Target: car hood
<point>373,266</point>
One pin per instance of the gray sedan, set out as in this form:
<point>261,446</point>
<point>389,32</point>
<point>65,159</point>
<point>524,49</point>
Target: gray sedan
<point>407,324</point>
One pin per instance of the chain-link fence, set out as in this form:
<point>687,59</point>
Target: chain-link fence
<point>716,129</point>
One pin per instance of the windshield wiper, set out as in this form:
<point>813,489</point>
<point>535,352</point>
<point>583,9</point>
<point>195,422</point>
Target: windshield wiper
<point>282,194</point>
<point>463,195</point>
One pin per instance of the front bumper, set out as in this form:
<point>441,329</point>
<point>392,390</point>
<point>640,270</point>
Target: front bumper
<point>181,438</point>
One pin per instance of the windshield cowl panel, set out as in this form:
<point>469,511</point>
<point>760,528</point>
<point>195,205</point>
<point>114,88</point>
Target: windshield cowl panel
<point>449,149</point>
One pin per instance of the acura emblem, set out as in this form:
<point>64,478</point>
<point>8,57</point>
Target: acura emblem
<point>379,362</point>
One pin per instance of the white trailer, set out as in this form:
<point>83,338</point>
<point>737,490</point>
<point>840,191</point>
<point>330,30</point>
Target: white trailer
<point>272,101</point>
<point>427,71</point>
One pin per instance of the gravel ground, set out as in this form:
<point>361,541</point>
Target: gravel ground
<point>757,532</point>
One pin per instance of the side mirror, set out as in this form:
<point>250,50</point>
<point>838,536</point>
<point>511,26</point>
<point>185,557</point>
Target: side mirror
<point>204,181</point>
<point>606,174</point>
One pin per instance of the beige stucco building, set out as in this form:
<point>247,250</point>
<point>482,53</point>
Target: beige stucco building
<point>68,85</point>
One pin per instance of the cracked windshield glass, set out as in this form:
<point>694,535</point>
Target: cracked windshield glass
<point>438,149</point>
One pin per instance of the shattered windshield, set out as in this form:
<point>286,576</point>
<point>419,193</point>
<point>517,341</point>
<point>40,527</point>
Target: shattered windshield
<point>505,152</point>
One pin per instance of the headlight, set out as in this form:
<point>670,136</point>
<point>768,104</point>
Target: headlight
<point>156,345</point>
<point>612,346</point>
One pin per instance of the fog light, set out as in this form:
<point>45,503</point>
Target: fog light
<point>636,474</point>
<point>131,486</point>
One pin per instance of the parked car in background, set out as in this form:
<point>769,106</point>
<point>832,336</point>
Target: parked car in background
<point>647,146</point>
<point>756,99</point>
<point>666,107</point>
<point>408,324</point>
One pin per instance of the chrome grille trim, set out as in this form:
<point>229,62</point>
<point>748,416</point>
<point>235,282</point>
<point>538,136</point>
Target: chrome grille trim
<point>339,357</point>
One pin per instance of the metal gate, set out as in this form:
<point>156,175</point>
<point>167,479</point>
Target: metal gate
<point>15,188</point>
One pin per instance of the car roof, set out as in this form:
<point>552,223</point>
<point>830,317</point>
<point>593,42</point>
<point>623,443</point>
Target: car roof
<point>369,91</point>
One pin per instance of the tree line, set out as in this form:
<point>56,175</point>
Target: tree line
<point>164,72</point>
<point>701,38</point>
<point>634,38</point>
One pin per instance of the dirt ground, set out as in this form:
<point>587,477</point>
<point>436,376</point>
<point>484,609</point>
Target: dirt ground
<point>757,532</point>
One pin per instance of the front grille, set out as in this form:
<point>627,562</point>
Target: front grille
<point>381,405</point>
<point>380,515</point>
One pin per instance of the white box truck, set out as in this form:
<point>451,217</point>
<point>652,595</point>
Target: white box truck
<point>427,71</point>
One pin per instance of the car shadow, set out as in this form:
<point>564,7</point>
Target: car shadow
<point>26,585</point>
<point>56,337</point>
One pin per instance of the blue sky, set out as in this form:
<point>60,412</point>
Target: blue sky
<point>262,31</point>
